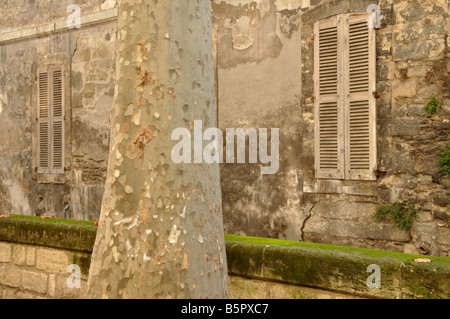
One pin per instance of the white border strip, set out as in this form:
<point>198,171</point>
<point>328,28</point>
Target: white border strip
<point>57,27</point>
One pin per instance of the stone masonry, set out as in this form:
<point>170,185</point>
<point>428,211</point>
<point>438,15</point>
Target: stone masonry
<point>30,272</point>
<point>263,51</point>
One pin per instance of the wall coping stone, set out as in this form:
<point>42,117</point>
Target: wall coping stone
<point>335,268</point>
<point>338,268</point>
<point>55,232</point>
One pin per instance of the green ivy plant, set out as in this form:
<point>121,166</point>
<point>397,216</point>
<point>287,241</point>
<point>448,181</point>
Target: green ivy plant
<point>444,159</point>
<point>401,215</point>
<point>433,105</point>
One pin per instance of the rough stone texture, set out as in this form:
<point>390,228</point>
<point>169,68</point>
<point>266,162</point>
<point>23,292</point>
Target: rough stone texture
<point>243,288</point>
<point>47,278</point>
<point>88,56</point>
<point>338,268</point>
<point>60,233</point>
<point>259,268</point>
<point>51,260</point>
<point>5,253</point>
<point>259,64</point>
<point>10,276</point>
<point>31,256</point>
<point>34,281</point>
<point>19,255</point>
<point>263,55</point>
<point>410,47</point>
<point>17,13</point>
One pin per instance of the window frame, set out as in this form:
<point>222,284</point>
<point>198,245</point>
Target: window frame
<point>51,119</point>
<point>340,155</point>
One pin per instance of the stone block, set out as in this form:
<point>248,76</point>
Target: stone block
<point>5,253</point>
<point>404,127</point>
<point>19,254</point>
<point>26,295</point>
<point>8,294</point>
<point>10,276</point>
<point>404,88</point>
<point>52,260</point>
<point>77,80</point>
<point>31,256</point>
<point>34,281</point>
<point>52,285</point>
<point>63,290</point>
<point>411,249</point>
<point>440,199</point>
<point>442,215</point>
<point>443,236</point>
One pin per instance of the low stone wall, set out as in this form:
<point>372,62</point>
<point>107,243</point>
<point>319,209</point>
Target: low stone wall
<point>35,255</point>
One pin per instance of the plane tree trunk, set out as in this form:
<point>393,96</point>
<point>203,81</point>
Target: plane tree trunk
<point>160,232</point>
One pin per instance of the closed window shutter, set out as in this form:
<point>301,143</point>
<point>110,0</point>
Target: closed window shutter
<point>329,137</point>
<point>360,113</point>
<point>58,121</point>
<point>50,120</point>
<point>43,121</point>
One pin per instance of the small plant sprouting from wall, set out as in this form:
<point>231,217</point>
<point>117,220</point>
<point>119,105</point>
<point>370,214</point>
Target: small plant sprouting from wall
<point>437,73</point>
<point>401,215</point>
<point>433,105</point>
<point>444,159</point>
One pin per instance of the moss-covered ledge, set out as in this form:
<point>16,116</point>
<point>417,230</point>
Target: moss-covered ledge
<point>333,268</point>
<point>66,234</point>
<point>338,268</point>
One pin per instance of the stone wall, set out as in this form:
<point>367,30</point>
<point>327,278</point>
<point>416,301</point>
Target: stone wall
<point>88,56</point>
<point>17,14</point>
<point>35,256</point>
<point>265,79</point>
<point>30,272</point>
<point>35,272</point>
<point>263,56</point>
<point>412,41</point>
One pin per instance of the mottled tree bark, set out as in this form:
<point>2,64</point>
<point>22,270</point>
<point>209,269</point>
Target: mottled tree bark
<point>160,232</point>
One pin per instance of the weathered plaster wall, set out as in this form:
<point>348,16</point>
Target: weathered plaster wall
<point>265,79</point>
<point>88,56</point>
<point>263,51</point>
<point>93,73</point>
<point>29,13</point>
<point>259,86</point>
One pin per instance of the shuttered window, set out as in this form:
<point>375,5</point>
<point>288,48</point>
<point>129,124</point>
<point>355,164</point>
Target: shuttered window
<point>50,140</point>
<point>344,79</point>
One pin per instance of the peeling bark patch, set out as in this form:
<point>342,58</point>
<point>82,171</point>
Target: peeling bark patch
<point>145,78</point>
<point>143,136</point>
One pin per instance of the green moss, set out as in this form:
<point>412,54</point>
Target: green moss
<point>83,261</point>
<point>339,268</point>
<point>53,220</point>
<point>405,258</point>
<point>57,233</point>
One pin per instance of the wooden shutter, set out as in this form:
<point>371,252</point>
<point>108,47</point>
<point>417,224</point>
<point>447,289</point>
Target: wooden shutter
<point>50,113</point>
<point>328,100</point>
<point>43,113</point>
<point>58,120</point>
<point>360,109</point>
